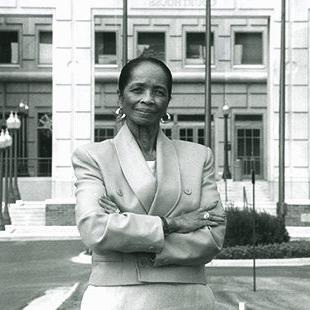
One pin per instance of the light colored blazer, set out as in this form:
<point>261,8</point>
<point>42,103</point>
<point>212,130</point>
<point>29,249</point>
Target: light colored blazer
<point>130,247</point>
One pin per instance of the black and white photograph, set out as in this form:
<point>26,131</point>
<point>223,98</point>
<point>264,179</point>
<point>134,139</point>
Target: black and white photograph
<point>154,155</point>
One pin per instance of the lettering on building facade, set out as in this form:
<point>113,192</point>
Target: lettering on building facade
<point>170,4</point>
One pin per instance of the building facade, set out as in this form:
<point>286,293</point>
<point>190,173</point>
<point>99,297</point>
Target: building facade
<point>62,59</point>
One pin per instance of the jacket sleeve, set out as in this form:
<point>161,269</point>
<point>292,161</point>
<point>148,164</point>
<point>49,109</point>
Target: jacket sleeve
<point>200,246</point>
<point>126,232</point>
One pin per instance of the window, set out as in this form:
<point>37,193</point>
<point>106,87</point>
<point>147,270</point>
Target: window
<point>102,134</point>
<point>9,47</point>
<point>151,44</point>
<point>195,48</point>
<point>187,134</point>
<point>248,48</point>
<point>105,48</point>
<point>44,160</point>
<point>45,47</point>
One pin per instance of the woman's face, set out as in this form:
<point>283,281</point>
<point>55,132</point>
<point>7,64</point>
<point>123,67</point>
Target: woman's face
<point>145,98</point>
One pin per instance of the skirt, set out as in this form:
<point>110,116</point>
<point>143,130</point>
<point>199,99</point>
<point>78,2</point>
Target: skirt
<point>148,297</point>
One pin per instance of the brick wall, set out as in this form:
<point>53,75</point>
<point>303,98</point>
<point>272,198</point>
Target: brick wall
<point>298,215</point>
<point>60,215</point>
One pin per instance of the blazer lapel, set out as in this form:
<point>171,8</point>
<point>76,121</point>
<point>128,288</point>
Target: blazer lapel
<point>134,167</point>
<point>168,177</point>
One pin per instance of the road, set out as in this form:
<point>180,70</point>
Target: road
<point>28,269</point>
<point>277,288</point>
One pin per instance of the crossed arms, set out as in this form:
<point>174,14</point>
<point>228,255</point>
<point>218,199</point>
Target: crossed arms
<point>192,239</point>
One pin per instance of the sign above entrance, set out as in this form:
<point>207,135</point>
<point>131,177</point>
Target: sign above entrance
<point>180,4</point>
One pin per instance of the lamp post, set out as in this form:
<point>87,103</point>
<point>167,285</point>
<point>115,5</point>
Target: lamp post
<point>11,195</point>
<point>8,144</point>
<point>23,110</point>
<point>226,172</point>
<point>13,124</point>
<point>2,147</point>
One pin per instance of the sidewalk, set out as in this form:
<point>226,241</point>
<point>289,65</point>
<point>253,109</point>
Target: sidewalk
<point>33,233</point>
<point>28,233</point>
<point>36,233</point>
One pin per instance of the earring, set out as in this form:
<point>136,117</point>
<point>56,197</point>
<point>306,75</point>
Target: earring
<point>165,121</point>
<point>119,113</point>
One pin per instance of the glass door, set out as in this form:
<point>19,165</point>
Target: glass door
<point>43,166</point>
<point>249,148</point>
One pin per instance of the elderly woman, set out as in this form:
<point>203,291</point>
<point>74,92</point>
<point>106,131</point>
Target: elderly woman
<point>147,206</point>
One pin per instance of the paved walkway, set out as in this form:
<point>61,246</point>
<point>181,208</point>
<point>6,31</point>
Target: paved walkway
<point>29,233</point>
<point>33,233</point>
<point>19,233</point>
<point>86,259</point>
<point>52,299</point>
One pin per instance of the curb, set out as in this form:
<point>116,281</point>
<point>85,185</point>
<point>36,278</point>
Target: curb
<point>275,262</point>
<point>83,258</point>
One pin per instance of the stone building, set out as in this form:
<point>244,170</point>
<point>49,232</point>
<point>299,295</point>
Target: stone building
<point>62,59</point>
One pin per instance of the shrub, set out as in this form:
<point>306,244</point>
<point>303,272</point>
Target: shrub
<point>269,229</point>
<point>293,249</point>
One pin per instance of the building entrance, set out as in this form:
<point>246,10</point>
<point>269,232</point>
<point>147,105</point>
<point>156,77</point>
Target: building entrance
<point>249,144</point>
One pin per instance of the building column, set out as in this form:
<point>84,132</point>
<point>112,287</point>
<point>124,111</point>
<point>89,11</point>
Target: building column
<point>73,83</point>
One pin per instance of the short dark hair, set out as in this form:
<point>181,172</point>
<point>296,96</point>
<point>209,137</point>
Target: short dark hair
<point>132,64</point>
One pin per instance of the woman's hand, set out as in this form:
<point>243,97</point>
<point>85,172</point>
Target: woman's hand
<point>194,220</point>
<point>108,206</point>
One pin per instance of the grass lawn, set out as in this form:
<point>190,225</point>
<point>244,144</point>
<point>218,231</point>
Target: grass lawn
<point>273,293</point>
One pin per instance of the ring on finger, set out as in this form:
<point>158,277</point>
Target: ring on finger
<point>206,215</point>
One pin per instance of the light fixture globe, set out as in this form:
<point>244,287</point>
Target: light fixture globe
<point>10,122</point>
<point>23,108</point>
<point>226,109</point>
<point>17,121</point>
<point>13,121</point>
<point>21,105</point>
<point>2,140</point>
<point>8,139</point>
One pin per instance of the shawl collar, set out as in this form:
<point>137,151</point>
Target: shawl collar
<point>134,167</point>
<point>156,201</point>
<point>168,177</point>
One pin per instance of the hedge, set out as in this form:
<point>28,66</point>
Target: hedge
<point>292,249</point>
<point>239,231</point>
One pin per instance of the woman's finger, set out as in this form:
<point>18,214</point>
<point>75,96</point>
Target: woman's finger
<point>211,223</point>
<point>215,217</point>
<point>107,211</point>
<point>110,211</point>
<point>206,214</point>
<point>109,208</point>
<point>107,201</point>
<point>105,206</point>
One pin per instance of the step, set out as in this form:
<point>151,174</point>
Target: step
<point>27,213</point>
<point>263,199</point>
